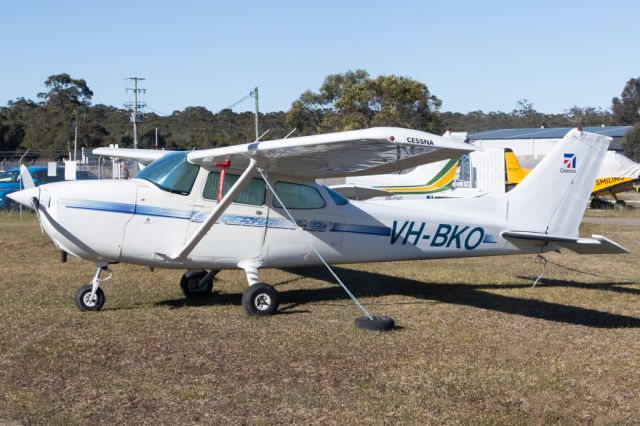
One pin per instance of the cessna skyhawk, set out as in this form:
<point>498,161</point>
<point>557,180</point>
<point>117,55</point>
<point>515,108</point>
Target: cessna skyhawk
<point>257,205</point>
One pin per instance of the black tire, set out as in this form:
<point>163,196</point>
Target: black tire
<point>260,299</point>
<point>82,299</point>
<point>193,287</point>
<point>620,205</point>
<point>12,206</point>
<point>596,204</point>
<point>375,324</point>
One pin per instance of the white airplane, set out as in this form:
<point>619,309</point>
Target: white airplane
<point>426,181</point>
<point>257,205</point>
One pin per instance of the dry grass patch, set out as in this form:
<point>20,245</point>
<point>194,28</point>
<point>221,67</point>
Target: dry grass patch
<point>476,344</point>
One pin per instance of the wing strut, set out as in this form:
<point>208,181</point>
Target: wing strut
<point>364,310</point>
<point>215,214</point>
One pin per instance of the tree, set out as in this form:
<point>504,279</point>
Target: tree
<point>65,92</point>
<point>353,101</point>
<point>626,108</point>
<point>631,143</point>
<point>587,116</point>
<point>66,103</point>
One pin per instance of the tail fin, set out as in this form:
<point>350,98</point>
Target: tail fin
<point>515,173</point>
<point>553,197</point>
<point>27,180</point>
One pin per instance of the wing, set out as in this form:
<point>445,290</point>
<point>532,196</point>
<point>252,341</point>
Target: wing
<point>144,156</point>
<point>613,185</point>
<point>353,153</point>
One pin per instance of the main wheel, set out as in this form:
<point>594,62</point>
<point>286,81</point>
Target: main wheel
<point>83,299</point>
<point>620,205</point>
<point>192,285</point>
<point>596,204</point>
<point>260,299</point>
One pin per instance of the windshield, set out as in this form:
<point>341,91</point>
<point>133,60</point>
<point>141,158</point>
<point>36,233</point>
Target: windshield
<point>171,173</point>
<point>9,177</point>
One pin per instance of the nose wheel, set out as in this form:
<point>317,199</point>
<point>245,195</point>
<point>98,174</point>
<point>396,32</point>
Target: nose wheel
<point>85,302</point>
<point>260,299</point>
<point>90,297</point>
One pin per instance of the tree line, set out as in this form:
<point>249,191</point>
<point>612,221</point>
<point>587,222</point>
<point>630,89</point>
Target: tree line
<point>351,100</point>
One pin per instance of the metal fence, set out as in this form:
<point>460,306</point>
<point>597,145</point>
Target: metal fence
<point>102,167</point>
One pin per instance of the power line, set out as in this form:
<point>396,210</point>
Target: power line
<point>236,103</point>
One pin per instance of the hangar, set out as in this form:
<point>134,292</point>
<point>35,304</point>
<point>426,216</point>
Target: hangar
<point>533,144</point>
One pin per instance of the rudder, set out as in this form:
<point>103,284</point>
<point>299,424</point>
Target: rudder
<point>554,195</point>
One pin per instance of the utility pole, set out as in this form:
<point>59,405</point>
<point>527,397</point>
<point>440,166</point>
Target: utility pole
<point>75,138</point>
<point>254,93</point>
<point>134,107</point>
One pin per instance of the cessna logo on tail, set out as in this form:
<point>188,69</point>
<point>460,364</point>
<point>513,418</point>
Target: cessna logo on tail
<point>569,163</point>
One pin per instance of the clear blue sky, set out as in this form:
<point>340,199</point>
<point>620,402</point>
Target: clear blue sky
<point>474,55</point>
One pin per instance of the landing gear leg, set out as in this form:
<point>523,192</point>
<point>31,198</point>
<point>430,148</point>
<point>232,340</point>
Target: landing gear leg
<point>259,299</point>
<point>91,297</point>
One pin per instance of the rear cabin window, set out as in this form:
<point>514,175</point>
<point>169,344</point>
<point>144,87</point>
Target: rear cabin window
<point>252,194</point>
<point>298,196</point>
<point>337,198</point>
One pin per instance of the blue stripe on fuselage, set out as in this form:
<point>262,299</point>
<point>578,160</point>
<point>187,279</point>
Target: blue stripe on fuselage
<point>227,219</point>
<point>384,231</point>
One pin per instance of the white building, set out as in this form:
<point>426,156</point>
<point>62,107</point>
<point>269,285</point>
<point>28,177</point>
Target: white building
<point>530,145</point>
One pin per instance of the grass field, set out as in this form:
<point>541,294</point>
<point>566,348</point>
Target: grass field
<point>475,344</point>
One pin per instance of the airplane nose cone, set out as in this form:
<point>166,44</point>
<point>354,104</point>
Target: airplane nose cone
<point>24,197</point>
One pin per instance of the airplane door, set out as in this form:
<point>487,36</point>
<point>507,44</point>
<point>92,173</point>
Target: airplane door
<point>239,233</point>
<point>159,224</point>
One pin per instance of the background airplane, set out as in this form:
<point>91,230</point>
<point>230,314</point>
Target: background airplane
<point>617,174</point>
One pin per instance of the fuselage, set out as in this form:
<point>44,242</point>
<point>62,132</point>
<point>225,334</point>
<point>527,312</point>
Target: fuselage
<point>137,221</point>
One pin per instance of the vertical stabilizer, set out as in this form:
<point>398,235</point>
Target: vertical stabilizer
<point>554,195</point>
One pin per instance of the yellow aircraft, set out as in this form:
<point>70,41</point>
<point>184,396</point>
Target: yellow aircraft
<point>514,173</point>
<point>617,174</point>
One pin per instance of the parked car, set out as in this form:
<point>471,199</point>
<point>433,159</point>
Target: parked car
<point>10,180</point>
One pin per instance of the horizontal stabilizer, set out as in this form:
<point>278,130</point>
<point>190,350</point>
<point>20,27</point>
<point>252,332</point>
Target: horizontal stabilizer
<point>597,244</point>
<point>355,192</point>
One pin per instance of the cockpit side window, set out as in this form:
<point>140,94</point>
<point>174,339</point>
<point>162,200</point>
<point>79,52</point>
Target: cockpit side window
<point>298,196</point>
<point>253,193</point>
<point>171,173</point>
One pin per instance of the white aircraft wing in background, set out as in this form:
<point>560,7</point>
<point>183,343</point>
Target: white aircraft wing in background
<point>143,156</point>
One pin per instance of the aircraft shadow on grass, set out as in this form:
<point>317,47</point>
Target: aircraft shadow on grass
<point>370,284</point>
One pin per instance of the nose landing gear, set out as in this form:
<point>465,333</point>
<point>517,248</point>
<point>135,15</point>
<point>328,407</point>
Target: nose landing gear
<point>90,297</point>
